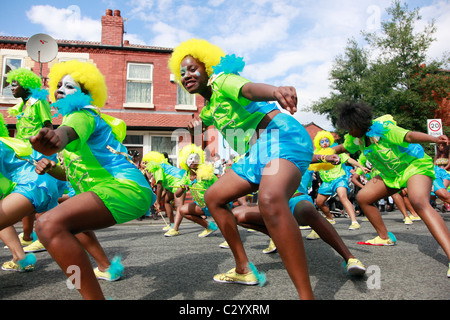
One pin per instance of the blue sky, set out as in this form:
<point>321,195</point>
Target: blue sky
<point>284,42</point>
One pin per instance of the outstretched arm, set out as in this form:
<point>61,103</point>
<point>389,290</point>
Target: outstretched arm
<point>49,141</point>
<point>420,137</point>
<point>285,96</point>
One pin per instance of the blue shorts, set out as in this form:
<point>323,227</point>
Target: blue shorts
<point>294,200</point>
<point>329,188</point>
<point>42,198</point>
<point>284,138</point>
<point>441,175</point>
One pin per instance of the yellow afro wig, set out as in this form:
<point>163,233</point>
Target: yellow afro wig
<point>319,150</point>
<point>154,156</point>
<point>188,150</point>
<point>201,50</point>
<point>86,74</point>
<point>321,135</point>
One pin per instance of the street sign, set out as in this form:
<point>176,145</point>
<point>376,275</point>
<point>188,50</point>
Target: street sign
<point>434,127</point>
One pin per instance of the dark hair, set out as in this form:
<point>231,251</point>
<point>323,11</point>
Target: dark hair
<point>352,115</point>
<point>133,153</point>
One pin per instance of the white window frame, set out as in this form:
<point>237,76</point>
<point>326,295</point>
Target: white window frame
<point>147,142</point>
<point>187,107</point>
<point>10,54</point>
<point>147,105</point>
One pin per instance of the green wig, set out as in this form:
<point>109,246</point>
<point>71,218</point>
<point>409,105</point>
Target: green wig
<point>26,78</point>
<point>201,50</point>
<point>86,74</point>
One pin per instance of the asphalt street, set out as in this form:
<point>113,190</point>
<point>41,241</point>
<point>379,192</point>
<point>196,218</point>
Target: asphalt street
<point>181,268</point>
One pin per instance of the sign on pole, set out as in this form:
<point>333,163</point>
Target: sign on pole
<point>434,127</point>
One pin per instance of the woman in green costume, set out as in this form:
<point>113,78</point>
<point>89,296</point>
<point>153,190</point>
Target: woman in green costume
<point>109,188</point>
<point>391,150</point>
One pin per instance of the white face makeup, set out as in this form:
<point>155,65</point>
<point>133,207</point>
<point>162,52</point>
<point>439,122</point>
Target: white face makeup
<point>67,86</point>
<point>193,158</point>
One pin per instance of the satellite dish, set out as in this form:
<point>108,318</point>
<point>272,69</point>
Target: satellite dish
<point>42,48</point>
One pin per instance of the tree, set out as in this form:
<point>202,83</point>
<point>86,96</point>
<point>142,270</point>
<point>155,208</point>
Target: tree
<point>393,75</point>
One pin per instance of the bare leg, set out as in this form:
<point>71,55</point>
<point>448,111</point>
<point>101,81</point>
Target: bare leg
<point>282,227</point>
<point>89,241</point>
<point>13,208</point>
<point>320,202</point>
<point>229,187</point>
<point>57,228</point>
<point>342,193</point>
<point>9,236</point>
<point>374,190</point>
<point>419,188</point>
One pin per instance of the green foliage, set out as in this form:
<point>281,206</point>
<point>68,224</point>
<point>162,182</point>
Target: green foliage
<point>399,79</point>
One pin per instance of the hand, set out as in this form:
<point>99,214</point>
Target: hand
<point>46,142</point>
<point>194,124</point>
<point>287,98</point>
<point>44,165</point>
<point>157,207</point>
<point>333,159</point>
<point>442,140</point>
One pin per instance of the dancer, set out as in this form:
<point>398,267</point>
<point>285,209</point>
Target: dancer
<point>305,213</point>
<point>198,178</point>
<point>392,151</point>
<point>32,113</point>
<point>167,178</point>
<point>22,192</point>
<point>278,150</point>
<point>109,188</point>
<point>334,179</point>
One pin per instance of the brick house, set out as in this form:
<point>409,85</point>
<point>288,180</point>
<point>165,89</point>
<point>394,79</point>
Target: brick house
<point>141,90</point>
<point>140,87</point>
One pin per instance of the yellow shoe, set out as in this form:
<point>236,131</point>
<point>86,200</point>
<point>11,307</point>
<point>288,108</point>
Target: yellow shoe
<point>313,236</point>
<point>24,243</point>
<point>36,246</point>
<point>304,227</point>
<point>414,218</point>
<point>24,265</point>
<point>332,221</point>
<point>224,245</point>
<point>355,267</point>
<point>407,220</point>
<point>172,233</point>
<point>354,226</point>
<point>168,227</point>
<point>271,248</point>
<point>377,241</point>
<point>448,272</point>
<point>232,277</point>
<point>105,275</point>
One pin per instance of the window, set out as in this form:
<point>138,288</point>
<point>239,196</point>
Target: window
<point>139,85</point>
<point>185,100</point>
<point>8,65</point>
<point>165,144</point>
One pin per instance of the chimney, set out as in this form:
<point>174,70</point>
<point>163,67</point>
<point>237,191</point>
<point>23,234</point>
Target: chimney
<point>112,28</point>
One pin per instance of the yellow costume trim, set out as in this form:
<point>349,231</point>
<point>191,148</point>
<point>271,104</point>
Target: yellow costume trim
<point>205,171</point>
